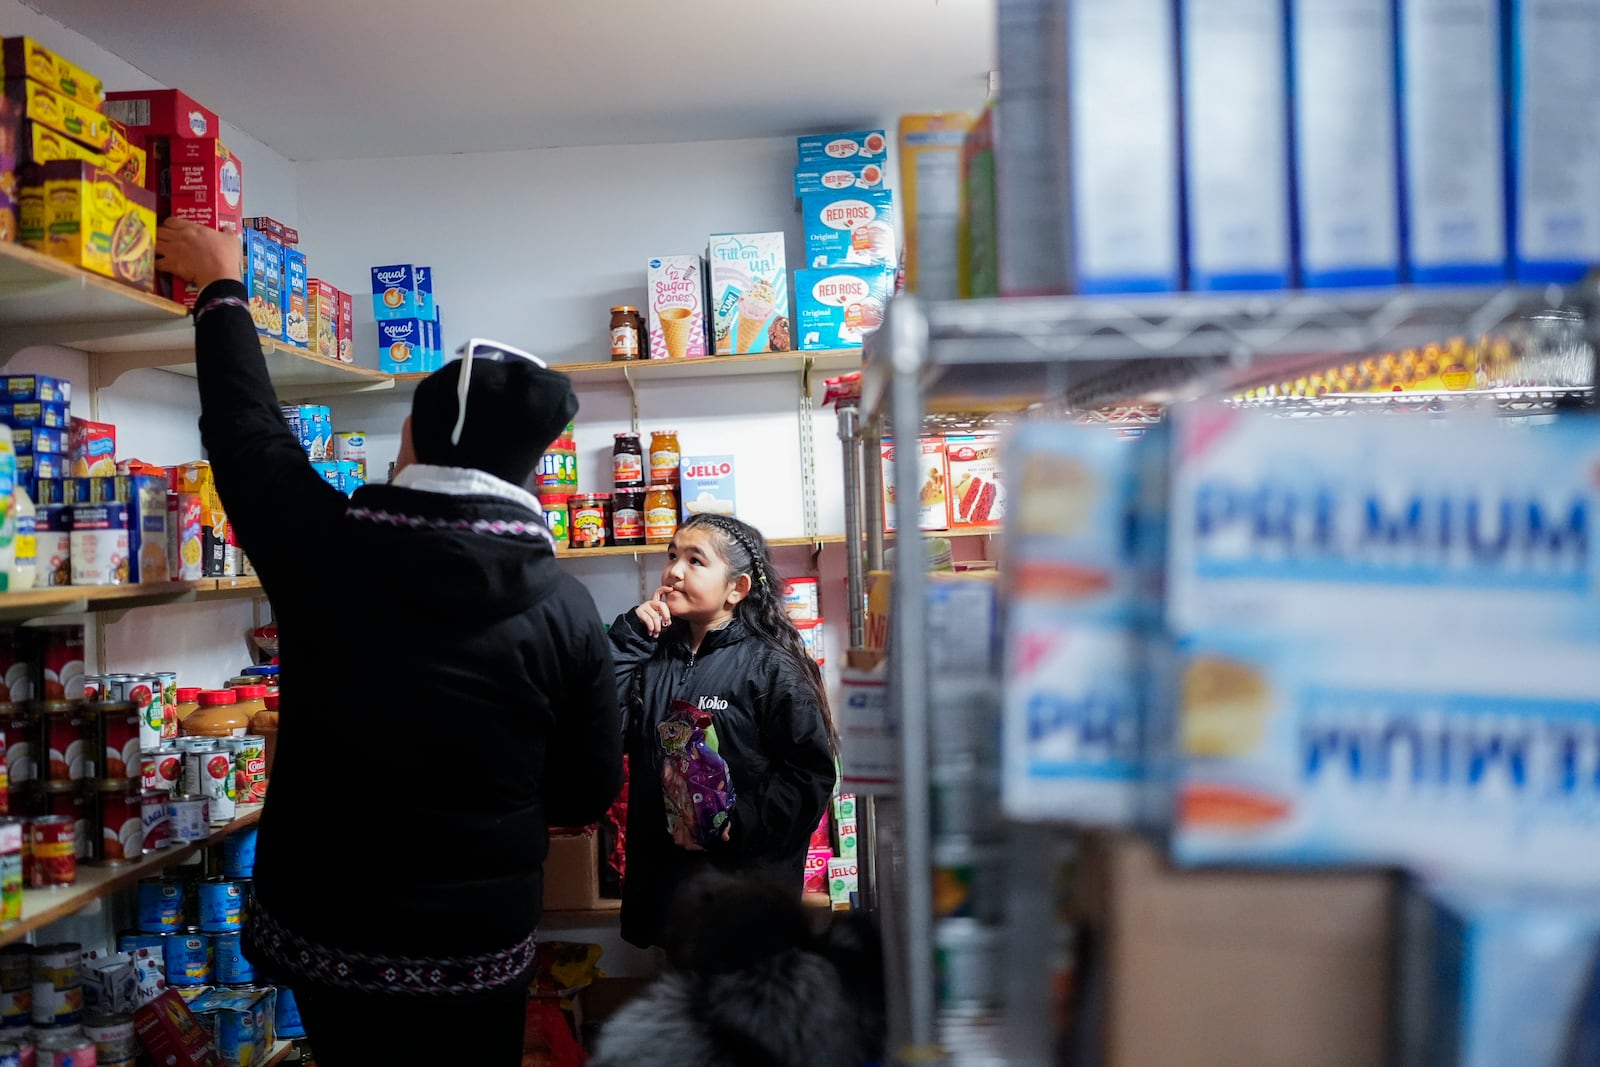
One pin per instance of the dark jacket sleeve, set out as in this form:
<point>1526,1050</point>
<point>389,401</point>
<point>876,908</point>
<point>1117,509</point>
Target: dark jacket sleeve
<point>631,646</point>
<point>583,763</point>
<point>774,818</point>
<point>275,501</point>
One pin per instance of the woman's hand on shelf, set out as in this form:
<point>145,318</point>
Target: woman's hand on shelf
<point>197,254</point>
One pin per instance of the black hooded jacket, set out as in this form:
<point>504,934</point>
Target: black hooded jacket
<point>771,733</point>
<point>448,692</point>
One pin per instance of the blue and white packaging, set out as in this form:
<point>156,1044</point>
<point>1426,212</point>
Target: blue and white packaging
<point>854,228</point>
<point>1124,158</point>
<point>39,439</point>
<point>707,486</point>
<point>1346,147</point>
<point>401,346</point>
<point>862,145</point>
<point>36,387</point>
<point>422,283</point>
<point>831,176</point>
<point>429,350</point>
<point>1555,151</point>
<point>394,293</point>
<point>839,306</point>
<point>1453,123</point>
<point>1236,144</point>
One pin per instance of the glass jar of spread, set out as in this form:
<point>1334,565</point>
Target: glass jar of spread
<point>626,331</point>
<point>664,457</point>
<point>250,699</point>
<point>188,702</point>
<point>660,514</point>
<point>627,517</point>
<point>589,516</point>
<point>555,515</point>
<point>217,716</point>
<point>627,462</point>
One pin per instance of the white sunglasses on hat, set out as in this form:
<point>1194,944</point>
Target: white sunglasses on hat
<point>481,348</point>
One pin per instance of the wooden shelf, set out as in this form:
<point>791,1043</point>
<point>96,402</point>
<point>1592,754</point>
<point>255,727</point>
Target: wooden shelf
<point>83,599</point>
<point>41,907</point>
<point>295,372</point>
<point>619,372</point>
<point>232,589</point>
<point>278,1053</point>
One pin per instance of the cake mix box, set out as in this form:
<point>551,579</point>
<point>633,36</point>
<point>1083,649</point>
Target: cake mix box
<point>707,485</point>
<point>675,288</point>
<point>322,311</point>
<point>296,322</point>
<point>749,293</point>
<point>394,292</point>
<point>854,228</point>
<point>347,327</point>
<point>400,346</point>
<point>933,489</point>
<point>837,307</point>
<point>976,495</point>
<point>863,145</point>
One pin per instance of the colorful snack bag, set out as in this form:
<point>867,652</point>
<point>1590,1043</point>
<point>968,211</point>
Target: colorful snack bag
<point>694,778</point>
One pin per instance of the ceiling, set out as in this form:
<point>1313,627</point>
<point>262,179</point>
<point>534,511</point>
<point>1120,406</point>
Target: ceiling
<point>349,79</point>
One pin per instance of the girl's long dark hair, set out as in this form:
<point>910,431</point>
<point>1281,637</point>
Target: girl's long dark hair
<point>762,612</point>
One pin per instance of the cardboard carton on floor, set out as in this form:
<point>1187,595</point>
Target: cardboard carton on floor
<point>572,872</point>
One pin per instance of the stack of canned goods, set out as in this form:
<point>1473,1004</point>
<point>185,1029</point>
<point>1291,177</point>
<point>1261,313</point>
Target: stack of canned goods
<point>42,1015</point>
<point>195,925</point>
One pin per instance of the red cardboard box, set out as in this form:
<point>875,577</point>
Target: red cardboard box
<point>204,183</point>
<point>347,327</point>
<point>172,1036</point>
<point>163,113</point>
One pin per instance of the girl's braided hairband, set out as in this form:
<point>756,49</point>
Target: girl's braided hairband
<point>728,527</point>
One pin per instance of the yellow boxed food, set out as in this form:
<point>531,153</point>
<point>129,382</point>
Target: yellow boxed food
<point>30,217</point>
<point>124,158</point>
<point>99,222</point>
<point>41,144</point>
<point>196,478</point>
<point>21,57</point>
<point>322,306</point>
<point>79,122</point>
<point>930,181</point>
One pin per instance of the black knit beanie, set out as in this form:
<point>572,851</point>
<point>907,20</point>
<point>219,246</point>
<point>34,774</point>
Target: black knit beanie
<point>515,410</point>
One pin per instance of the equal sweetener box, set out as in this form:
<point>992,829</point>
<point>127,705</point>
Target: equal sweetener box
<point>394,292</point>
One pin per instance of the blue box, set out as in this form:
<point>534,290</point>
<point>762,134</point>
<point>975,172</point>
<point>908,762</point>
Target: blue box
<point>36,439</point>
<point>145,496</point>
<point>430,345</point>
<point>394,293</point>
<point>1347,170</point>
<point>1453,122</point>
<point>42,465</point>
<point>1236,144</point>
<point>852,228</point>
<point>263,281</point>
<point>837,307</point>
<point>34,413</point>
<point>831,176</point>
<point>422,284</point>
<point>36,387</point>
<point>707,486</point>
<point>296,313</point>
<point>860,145</point>
<point>401,346</point>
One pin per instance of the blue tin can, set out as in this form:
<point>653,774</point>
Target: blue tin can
<point>287,1020</point>
<point>189,959</point>
<point>239,854</point>
<point>160,906</point>
<point>132,942</point>
<point>232,967</point>
<point>221,905</point>
<point>10,1054</point>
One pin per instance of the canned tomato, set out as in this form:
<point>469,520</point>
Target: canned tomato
<point>64,735</point>
<point>63,663</point>
<point>232,967</point>
<point>94,688</point>
<point>221,905</point>
<point>160,906</point>
<point>11,832</point>
<point>239,854</point>
<point>16,968</point>
<point>249,768</point>
<point>22,763</point>
<point>188,819</point>
<point>188,958</point>
<point>112,1034</point>
<point>121,830</point>
<point>154,822</point>
<point>169,704</point>
<point>60,964</point>
<point>208,772</point>
<point>116,725</point>
<point>143,691</point>
<point>64,1048</point>
<point>161,769</point>
<point>65,799</point>
<point>56,1007</point>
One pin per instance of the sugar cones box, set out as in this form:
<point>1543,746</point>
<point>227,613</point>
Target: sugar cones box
<point>749,293</point>
<point>676,306</point>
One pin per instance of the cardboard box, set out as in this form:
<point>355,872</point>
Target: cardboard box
<point>859,145</point>
<point>162,113</point>
<point>240,1020</point>
<point>1179,953</point>
<point>749,293</point>
<point>322,309</point>
<point>933,490</point>
<point>20,387</point>
<point>184,540</point>
<point>171,1035</point>
<point>22,57</point>
<point>287,236</point>
<point>36,439</point>
<point>80,122</point>
<point>978,252</point>
<point>31,468</point>
<point>844,880</point>
<point>977,498</point>
<point>39,144</point>
<point>422,284</point>
<point>96,221</point>
<point>196,478</point>
<point>128,161</point>
<point>707,485</point>
<point>930,205</point>
<point>834,175</point>
<point>145,497</point>
<point>347,327</point>
<point>816,873</point>
<point>34,413</point>
<point>394,293</point>
<point>400,346</point>
<point>675,307</point>
<point>93,448</point>
<point>854,228</point>
<point>572,872</point>
<point>837,307</point>
<point>263,281</point>
<point>296,323</point>
<point>204,183</point>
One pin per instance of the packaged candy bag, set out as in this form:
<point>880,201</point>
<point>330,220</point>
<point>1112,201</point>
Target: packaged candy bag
<point>694,778</point>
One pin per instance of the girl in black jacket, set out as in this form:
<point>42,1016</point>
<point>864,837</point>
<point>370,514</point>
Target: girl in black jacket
<point>716,636</point>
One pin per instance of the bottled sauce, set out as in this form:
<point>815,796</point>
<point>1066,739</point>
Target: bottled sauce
<point>217,716</point>
<point>664,457</point>
<point>660,513</point>
<point>627,462</point>
<point>24,571</point>
<point>626,333</point>
<point>627,517</point>
<point>188,703</point>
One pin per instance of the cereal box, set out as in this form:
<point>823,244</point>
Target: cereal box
<point>933,490</point>
<point>976,495</point>
<point>400,348</point>
<point>22,57</point>
<point>183,537</point>
<point>854,228</point>
<point>36,387</point>
<point>394,293</point>
<point>707,485</point>
<point>750,293</point>
<point>675,289</point>
<point>263,281</point>
<point>295,321</point>
<point>98,222</point>
<point>930,200</point>
<point>93,448</point>
<point>862,145</point>
<point>422,283</point>
<point>347,327</point>
<point>40,144</point>
<point>831,176</point>
<point>322,307</point>
<point>837,307</point>
<point>78,121</point>
<point>162,113</point>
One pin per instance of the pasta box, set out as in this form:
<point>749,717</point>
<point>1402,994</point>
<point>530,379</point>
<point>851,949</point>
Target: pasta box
<point>23,57</point>
<point>976,496</point>
<point>263,281</point>
<point>48,108</point>
<point>162,113</point>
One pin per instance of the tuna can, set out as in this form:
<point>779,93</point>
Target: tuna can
<point>221,905</point>
<point>64,1048</point>
<point>61,964</point>
<point>11,1054</point>
<point>160,906</point>
<point>16,1008</point>
<point>188,958</point>
<point>112,1034</point>
<point>154,823</point>
<point>249,768</point>
<point>11,834</point>
<point>54,850</point>
<point>64,730</point>
<point>169,704</point>
<point>232,967</point>
<point>189,819</point>
<point>116,726</point>
<point>143,691</point>
<point>16,968</point>
<point>161,769</point>
<point>56,1007</point>
<point>286,1018</point>
<point>208,772</point>
<point>121,827</point>
<point>239,854</point>
<point>65,798</point>
<point>134,940</point>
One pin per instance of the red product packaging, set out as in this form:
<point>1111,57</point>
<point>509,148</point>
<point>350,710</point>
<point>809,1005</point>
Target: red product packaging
<point>817,869</point>
<point>171,1035</point>
<point>162,113</point>
<point>347,328</point>
<point>976,496</point>
<point>204,183</point>
<point>822,836</point>
<point>92,449</point>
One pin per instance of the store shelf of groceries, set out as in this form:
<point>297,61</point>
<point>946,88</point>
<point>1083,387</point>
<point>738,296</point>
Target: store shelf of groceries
<point>1005,355</point>
<point>79,599</point>
<point>620,371</point>
<point>773,542</point>
<point>41,907</point>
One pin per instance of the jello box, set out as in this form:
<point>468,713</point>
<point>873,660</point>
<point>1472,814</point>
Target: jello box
<point>162,113</point>
<point>844,881</point>
<point>263,281</point>
<point>837,307</point>
<point>749,292</point>
<point>831,176</point>
<point>707,485</point>
<point>23,57</point>
<point>296,324</point>
<point>36,387</point>
<point>861,145</point>
<point>394,293</point>
<point>400,346</point>
<point>675,300</point>
<point>322,310</point>
<point>854,228</point>
<point>816,877</point>
<point>347,327</point>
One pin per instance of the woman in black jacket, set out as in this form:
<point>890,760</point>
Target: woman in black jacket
<point>716,637</point>
<point>448,692</point>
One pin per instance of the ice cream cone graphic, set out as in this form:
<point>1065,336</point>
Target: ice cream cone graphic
<point>755,308</point>
<point>750,331</point>
<point>676,324</point>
